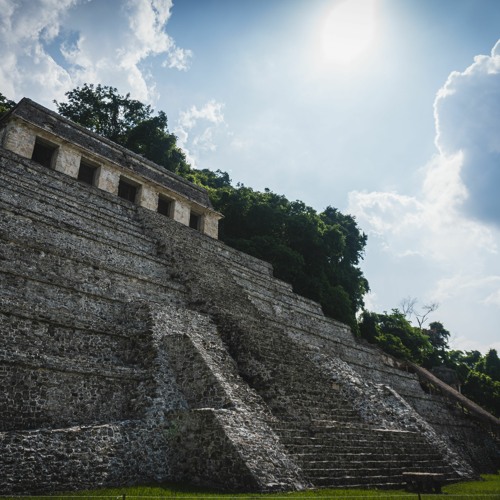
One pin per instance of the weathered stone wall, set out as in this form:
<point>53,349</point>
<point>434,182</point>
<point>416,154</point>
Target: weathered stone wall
<point>84,457</point>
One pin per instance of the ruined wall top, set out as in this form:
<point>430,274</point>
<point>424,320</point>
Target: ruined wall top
<point>109,166</point>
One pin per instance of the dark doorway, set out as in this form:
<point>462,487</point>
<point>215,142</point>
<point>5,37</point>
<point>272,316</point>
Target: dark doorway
<point>127,191</point>
<point>43,153</point>
<point>86,173</point>
<point>194,221</point>
<point>165,206</point>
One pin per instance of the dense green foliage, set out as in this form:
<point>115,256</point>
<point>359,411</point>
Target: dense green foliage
<point>318,253</point>
<point>5,104</point>
<point>395,335</point>
<point>125,121</point>
<point>479,375</point>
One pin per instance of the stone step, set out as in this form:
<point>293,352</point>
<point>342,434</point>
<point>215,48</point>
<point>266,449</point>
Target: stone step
<point>360,453</point>
<point>96,252</point>
<point>298,416</point>
<point>313,444</point>
<point>283,305</point>
<point>26,262</point>
<point>62,395</point>
<point>59,188</point>
<point>359,432</point>
<point>100,350</point>
<point>277,293</point>
<point>366,470</point>
<point>75,218</point>
<point>378,482</point>
<point>44,301</point>
<point>393,464</point>
<point>329,407</point>
<point>373,479</point>
<point>216,253</point>
<point>35,177</point>
<point>342,442</point>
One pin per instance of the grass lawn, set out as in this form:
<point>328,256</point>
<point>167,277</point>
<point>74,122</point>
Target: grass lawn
<point>488,489</point>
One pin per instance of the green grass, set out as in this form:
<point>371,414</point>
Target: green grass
<point>486,489</point>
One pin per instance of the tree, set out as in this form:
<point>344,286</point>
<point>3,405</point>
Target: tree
<point>490,365</point>
<point>482,389</point>
<point>395,335</point>
<point>5,104</point>
<point>438,337</point>
<point>408,307</point>
<point>126,121</point>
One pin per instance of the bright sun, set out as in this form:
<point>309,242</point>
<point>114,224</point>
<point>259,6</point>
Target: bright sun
<point>348,30</point>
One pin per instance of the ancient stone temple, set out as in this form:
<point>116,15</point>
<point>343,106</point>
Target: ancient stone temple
<point>137,348</point>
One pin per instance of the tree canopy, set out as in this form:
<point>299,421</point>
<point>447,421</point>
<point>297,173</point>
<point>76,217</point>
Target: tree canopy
<point>5,104</point>
<point>318,253</point>
<point>478,374</point>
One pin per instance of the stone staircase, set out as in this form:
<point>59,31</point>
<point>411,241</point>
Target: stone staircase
<point>315,420</point>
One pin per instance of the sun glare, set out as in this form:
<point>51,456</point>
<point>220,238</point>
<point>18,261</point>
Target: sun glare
<point>348,30</point>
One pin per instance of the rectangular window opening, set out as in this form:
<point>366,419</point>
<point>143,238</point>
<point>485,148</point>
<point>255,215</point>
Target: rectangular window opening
<point>44,152</point>
<point>165,206</point>
<point>127,190</point>
<point>194,221</point>
<point>86,172</point>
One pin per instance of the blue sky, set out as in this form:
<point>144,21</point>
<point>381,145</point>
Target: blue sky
<point>395,120</point>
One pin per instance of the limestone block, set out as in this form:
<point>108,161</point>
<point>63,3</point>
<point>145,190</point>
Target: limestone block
<point>68,161</point>
<point>19,139</point>
<point>108,179</point>
<point>181,212</point>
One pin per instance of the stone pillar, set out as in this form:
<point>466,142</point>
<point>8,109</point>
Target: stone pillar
<point>181,212</point>
<point>68,161</point>
<point>211,225</point>
<point>107,179</point>
<point>148,198</point>
<point>19,139</point>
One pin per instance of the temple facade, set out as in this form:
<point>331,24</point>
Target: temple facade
<point>35,132</point>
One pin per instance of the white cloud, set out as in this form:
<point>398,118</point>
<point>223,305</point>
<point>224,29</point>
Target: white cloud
<point>467,120</point>
<point>52,46</point>
<point>25,27</point>
<point>196,128</point>
<point>448,223</point>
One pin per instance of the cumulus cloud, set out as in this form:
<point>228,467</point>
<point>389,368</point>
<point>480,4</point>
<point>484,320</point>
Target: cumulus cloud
<point>467,120</point>
<point>196,129</point>
<point>468,142</point>
<point>451,224</point>
<point>51,46</point>
<point>429,225</point>
<point>25,28</point>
